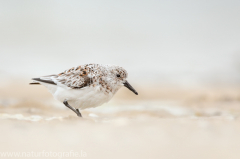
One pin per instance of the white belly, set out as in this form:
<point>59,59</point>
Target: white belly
<point>80,98</point>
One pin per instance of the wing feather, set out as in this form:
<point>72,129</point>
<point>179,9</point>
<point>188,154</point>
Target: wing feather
<point>44,81</point>
<point>74,78</point>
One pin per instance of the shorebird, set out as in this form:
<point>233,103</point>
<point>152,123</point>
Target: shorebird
<point>85,86</point>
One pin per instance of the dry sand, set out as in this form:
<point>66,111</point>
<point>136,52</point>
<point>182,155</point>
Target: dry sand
<point>171,123</point>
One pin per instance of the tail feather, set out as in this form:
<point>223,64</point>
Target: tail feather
<point>44,81</point>
<point>34,83</point>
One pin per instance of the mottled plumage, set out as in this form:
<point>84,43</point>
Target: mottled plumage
<point>87,85</point>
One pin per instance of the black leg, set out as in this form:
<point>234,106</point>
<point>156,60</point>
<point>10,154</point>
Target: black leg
<point>80,115</point>
<point>70,107</point>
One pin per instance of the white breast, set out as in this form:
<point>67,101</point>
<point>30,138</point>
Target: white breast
<point>82,98</point>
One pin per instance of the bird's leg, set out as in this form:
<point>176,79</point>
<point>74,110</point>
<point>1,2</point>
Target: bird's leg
<point>80,115</point>
<point>70,107</point>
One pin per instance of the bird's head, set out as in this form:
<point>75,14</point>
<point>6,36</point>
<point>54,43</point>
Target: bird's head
<point>119,76</point>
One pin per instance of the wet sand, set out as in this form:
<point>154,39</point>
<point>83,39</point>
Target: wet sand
<point>168,123</point>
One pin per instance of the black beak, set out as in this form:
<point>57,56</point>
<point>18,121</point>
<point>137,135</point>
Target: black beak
<point>126,84</point>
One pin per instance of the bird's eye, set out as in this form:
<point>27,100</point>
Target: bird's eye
<point>118,75</point>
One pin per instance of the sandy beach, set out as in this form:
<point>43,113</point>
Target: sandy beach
<point>182,57</point>
<point>173,124</point>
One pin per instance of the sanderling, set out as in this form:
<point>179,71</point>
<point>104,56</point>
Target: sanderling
<point>86,86</point>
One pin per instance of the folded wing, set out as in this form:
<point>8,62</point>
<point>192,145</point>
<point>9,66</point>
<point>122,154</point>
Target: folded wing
<point>74,78</point>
